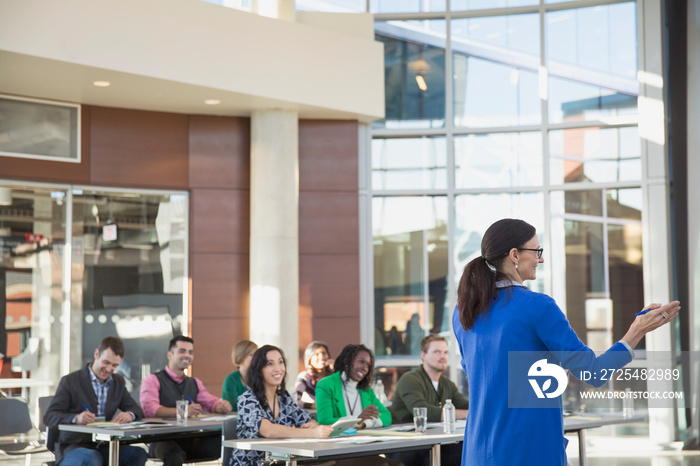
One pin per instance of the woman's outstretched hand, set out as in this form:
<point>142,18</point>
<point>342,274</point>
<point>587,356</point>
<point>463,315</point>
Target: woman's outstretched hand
<point>654,316</point>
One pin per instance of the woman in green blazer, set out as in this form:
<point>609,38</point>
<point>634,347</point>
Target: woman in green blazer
<point>347,393</point>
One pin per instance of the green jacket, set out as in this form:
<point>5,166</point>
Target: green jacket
<point>330,402</point>
<point>233,388</point>
<point>415,390</point>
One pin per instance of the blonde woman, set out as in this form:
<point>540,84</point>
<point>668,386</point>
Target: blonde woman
<point>236,382</point>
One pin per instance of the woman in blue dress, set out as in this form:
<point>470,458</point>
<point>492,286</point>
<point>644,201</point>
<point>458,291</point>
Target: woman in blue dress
<point>268,410</point>
<point>498,320</point>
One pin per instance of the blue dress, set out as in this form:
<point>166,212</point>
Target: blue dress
<point>505,425</point>
<point>250,414</point>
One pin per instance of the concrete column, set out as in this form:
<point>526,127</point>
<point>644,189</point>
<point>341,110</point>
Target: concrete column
<point>274,233</point>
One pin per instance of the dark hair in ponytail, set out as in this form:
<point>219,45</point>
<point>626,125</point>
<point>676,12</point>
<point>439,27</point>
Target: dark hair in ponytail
<point>477,287</point>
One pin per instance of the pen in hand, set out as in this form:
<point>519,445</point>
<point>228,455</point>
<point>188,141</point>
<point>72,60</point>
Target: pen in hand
<point>86,408</point>
<point>641,312</point>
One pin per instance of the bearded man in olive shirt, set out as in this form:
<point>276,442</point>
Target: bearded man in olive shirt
<point>426,387</point>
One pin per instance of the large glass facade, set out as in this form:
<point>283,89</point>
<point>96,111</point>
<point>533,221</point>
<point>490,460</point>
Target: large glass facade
<point>125,274</point>
<point>529,110</point>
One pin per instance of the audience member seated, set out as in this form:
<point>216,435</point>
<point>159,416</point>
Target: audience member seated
<point>318,362</point>
<point>235,383</point>
<point>347,392</point>
<point>268,410</point>
<point>82,397</point>
<point>161,390</point>
<point>426,387</point>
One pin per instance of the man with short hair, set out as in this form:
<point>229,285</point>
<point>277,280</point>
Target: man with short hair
<point>426,387</point>
<point>86,395</point>
<point>161,390</point>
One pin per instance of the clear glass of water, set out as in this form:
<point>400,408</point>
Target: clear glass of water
<point>420,419</point>
<point>182,410</point>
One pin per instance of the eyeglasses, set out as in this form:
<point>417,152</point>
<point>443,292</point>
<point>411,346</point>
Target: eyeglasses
<point>538,251</point>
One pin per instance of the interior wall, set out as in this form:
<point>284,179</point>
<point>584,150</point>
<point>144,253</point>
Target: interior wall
<point>210,157</point>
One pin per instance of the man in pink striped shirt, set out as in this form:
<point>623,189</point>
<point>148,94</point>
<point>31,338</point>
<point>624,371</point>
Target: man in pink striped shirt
<point>161,390</point>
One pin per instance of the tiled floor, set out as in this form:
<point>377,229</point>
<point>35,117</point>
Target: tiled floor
<point>601,451</point>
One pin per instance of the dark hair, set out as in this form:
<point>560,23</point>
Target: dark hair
<point>173,343</point>
<point>477,287</point>
<point>255,378</point>
<point>113,343</point>
<point>309,353</point>
<point>343,363</point>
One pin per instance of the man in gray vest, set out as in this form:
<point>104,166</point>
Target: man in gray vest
<point>161,390</point>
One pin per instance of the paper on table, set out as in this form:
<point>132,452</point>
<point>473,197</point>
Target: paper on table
<point>220,418</point>
<point>361,440</point>
<point>102,424</point>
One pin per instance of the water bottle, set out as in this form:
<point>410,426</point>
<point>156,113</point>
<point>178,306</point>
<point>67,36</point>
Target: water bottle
<point>379,391</point>
<point>449,416</point>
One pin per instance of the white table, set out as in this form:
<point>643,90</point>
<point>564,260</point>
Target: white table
<point>291,450</point>
<point>117,435</point>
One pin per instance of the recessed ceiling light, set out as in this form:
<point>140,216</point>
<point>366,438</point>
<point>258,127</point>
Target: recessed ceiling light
<point>212,101</point>
<point>101,83</point>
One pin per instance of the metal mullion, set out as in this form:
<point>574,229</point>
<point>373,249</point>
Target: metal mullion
<point>606,243</point>
<point>544,134</point>
<point>583,186</point>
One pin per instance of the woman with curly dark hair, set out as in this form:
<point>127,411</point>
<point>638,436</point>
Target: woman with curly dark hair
<point>347,393</point>
<point>267,409</point>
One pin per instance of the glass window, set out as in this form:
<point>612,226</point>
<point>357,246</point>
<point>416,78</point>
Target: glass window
<point>595,155</point>
<point>32,248</point>
<point>488,93</point>
<point>600,38</point>
<point>414,73</point>
<point>457,5</point>
<point>474,213</point>
<point>332,6</point>
<point>626,276</point>
<point>130,272</point>
<point>406,6</point>
<point>576,101</point>
<point>624,203</point>
<point>492,34</point>
<point>410,272</point>
<point>409,163</point>
<point>38,129</point>
<point>498,160</point>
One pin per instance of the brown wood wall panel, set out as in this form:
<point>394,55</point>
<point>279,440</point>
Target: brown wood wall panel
<point>330,285</point>
<point>328,155</point>
<point>337,332</point>
<point>213,342</point>
<point>53,172</point>
<point>136,148</point>
<point>220,288</point>
<point>220,220</point>
<point>328,222</point>
<point>219,152</point>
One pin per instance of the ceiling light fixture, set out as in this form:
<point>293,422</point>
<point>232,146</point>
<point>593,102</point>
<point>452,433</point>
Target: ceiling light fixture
<point>212,101</point>
<point>421,83</point>
<point>101,83</point>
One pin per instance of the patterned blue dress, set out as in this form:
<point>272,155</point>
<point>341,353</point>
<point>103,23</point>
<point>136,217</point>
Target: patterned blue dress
<point>250,414</point>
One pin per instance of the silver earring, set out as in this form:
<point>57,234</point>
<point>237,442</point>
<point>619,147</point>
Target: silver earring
<point>516,266</point>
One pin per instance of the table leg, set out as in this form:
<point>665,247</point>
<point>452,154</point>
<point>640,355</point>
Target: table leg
<point>114,452</point>
<point>581,447</point>
<point>291,462</point>
<point>435,455</point>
